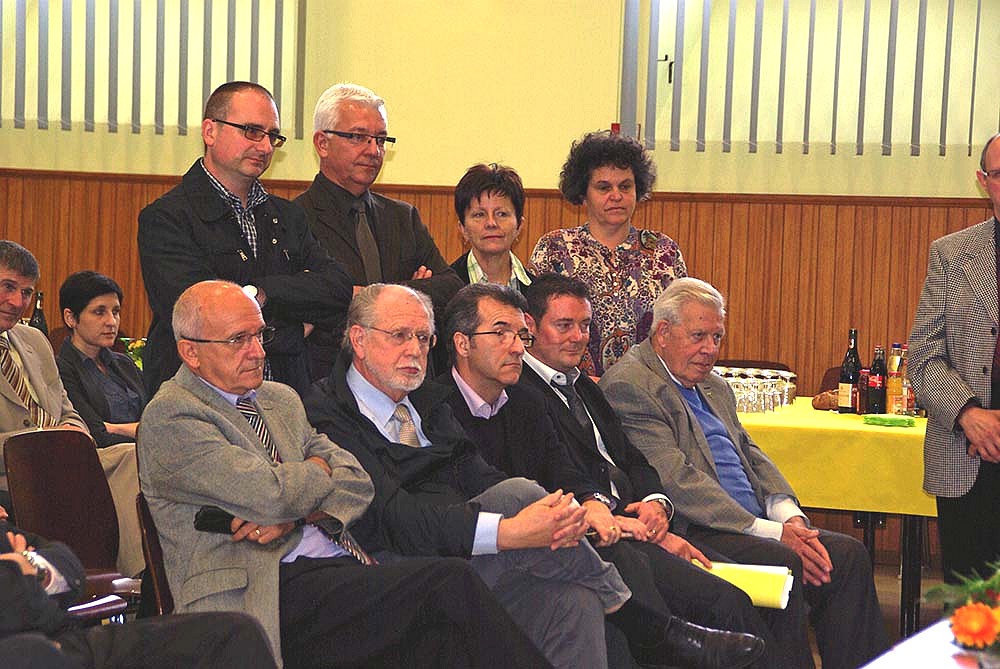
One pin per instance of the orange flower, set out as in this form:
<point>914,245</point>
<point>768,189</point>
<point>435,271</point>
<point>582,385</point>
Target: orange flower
<point>975,625</point>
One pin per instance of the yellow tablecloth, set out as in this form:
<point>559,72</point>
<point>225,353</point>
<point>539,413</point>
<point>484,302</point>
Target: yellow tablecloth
<point>835,461</point>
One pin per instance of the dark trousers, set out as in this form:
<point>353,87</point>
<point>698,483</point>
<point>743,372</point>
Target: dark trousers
<point>200,640</point>
<point>663,584</point>
<point>844,613</point>
<point>420,612</point>
<point>969,526</point>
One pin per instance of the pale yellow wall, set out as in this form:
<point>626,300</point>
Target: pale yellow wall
<point>507,80</point>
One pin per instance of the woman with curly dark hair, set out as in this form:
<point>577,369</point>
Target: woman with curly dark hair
<point>625,268</point>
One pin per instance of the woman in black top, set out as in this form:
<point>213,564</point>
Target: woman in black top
<point>105,387</point>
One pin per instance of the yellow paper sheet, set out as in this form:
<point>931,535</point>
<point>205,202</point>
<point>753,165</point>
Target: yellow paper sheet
<point>767,586</point>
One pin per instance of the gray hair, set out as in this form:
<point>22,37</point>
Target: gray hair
<point>364,313</point>
<point>327,112</point>
<point>187,318</point>
<point>682,291</point>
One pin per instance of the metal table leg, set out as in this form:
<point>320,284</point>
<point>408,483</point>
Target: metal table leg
<point>910,548</point>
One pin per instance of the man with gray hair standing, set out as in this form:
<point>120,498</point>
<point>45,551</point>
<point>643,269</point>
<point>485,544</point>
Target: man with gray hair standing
<point>728,494</point>
<point>376,238</point>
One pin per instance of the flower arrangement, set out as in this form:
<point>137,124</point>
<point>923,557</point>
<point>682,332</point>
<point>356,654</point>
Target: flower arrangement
<point>134,348</point>
<point>974,606</point>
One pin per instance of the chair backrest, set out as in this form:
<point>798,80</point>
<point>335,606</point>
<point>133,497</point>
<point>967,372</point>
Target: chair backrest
<point>58,490</point>
<point>154,558</point>
<point>753,364</point>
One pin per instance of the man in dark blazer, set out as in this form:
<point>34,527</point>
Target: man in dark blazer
<point>220,223</point>
<point>729,495</point>
<point>954,366</point>
<point>218,435</point>
<point>39,579</point>
<point>513,427</point>
<point>349,135</point>
<point>40,399</point>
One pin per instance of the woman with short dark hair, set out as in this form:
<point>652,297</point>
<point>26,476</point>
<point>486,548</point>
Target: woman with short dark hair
<point>489,203</point>
<point>625,268</point>
<point>105,387</point>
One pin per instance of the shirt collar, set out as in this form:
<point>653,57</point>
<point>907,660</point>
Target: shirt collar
<point>373,402</point>
<point>517,273</point>
<point>340,195</point>
<point>550,375</point>
<point>479,407</point>
<point>230,397</point>
<point>255,197</point>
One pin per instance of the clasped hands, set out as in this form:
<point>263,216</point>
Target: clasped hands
<point>982,431</point>
<point>816,563</point>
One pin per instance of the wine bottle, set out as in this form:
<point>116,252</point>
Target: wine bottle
<point>37,319</point>
<point>850,369</point>
<point>876,382</point>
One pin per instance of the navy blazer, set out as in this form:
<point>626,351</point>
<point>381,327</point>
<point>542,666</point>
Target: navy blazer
<point>86,395</point>
<point>521,440</point>
<point>421,502</point>
<point>643,477</point>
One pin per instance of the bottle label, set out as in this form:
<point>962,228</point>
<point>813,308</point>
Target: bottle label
<point>876,381</point>
<point>845,396</point>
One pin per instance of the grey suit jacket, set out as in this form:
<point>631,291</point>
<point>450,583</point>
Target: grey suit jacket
<point>951,350</point>
<point>659,422</point>
<point>38,364</point>
<point>195,448</point>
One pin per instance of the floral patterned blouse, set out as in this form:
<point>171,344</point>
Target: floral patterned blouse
<point>624,282</point>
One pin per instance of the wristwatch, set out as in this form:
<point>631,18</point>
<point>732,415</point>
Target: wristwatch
<point>667,505</point>
<point>41,571</point>
<point>602,498</point>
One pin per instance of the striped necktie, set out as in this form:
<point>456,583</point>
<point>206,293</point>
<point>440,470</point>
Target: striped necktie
<point>253,417</point>
<point>407,429</point>
<point>39,417</point>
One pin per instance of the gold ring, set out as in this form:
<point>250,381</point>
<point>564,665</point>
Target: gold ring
<point>257,531</point>
<point>614,528</point>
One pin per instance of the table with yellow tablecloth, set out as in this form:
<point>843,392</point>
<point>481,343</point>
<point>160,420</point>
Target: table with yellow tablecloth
<point>836,461</point>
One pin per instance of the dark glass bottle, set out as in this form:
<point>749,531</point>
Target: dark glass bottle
<point>37,319</point>
<point>850,369</point>
<point>876,382</point>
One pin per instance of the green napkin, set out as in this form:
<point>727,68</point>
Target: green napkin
<point>889,420</point>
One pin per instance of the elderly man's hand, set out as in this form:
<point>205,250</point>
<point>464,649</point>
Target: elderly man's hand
<point>551,521</point>
<point>816,563</point>
<point>653,516</point>
<point>245,530</point>
<point>982,430</point>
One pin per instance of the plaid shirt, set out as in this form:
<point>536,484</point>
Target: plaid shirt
<point>244,216</point>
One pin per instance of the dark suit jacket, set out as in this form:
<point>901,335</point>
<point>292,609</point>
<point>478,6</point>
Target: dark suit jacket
<point>24,605</point>
<point>521,440</point>
<point>404,244</point>
<point>86,395</point>
<point>643,477</point>
<point>190,234</point>
<point>421,494</point>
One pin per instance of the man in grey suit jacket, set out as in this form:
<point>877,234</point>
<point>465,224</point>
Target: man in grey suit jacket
<point>27,349</point>
<point>349,135</point>
<point>218,435</point>
<point>954,367</point>
<point>728,494</point>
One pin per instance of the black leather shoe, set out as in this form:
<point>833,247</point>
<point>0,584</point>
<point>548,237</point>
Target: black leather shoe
<point>688,645</point>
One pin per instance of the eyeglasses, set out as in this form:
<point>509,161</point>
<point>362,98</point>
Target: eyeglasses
<point>992,174</point>
<point>255,134</point>
<point>265,336</point>
<point>507,336</point>
<point>403,336</point>
<point>359,138</point>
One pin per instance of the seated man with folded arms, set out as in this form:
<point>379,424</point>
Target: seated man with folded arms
<point>218,440</point>
<point>31,393</point>
<point>514,425</point>
<point>39,579</point>
<point>729,495</point>
<point>434,494</point>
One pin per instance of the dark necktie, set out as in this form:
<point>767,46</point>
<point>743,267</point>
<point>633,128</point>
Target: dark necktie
<point>39,417</point>
<point>366,245</point>
<point>576,407</point>
<point>343,538</point>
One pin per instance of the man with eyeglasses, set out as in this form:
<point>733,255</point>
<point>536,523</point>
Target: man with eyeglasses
<point>435,495</point>
<point>31,391</point>
<point>729,496</point>
<point>221,223</point>
<point>954,366</point>
<point>219,441</point>
<point>376,238</point>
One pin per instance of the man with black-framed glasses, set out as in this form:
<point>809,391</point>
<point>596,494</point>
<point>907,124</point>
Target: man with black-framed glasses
<point>376,238</point>
<point>221,223</point>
